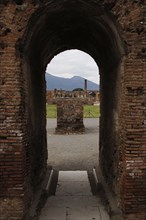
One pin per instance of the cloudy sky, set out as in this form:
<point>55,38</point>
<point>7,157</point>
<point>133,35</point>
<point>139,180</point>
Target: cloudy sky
<point>74,63</point>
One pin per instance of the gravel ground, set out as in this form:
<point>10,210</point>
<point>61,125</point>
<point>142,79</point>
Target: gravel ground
<point>73,152</point>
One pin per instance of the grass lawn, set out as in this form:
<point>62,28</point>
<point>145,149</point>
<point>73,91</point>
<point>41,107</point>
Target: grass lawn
<point>51,111</point>
<point>90,111</point>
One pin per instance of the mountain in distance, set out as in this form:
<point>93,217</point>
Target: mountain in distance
<point>68,84</point>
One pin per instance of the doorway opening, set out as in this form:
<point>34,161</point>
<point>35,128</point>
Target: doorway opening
<point>73,152</point>
<point>55,31</point>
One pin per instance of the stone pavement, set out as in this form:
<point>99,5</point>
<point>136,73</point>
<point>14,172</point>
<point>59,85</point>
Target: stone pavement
<point>73,152</point>
<point>73,200</point>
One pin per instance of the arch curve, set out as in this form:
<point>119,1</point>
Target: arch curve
<point>89,27</point>
<point>74,25</point>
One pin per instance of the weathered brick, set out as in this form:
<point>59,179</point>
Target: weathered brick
<point>114,33</point>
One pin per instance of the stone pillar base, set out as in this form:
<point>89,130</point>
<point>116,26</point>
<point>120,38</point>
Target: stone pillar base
<point>69,116</point>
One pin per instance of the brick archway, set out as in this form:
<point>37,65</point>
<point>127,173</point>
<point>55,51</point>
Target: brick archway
<point>32,33</point>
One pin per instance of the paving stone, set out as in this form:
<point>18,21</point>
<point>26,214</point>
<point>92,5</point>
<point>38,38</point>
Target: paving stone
<point>73,188</point>
<point>46,218</point>
<point>73,200</point>
<point>103,213</point>
<point>90,212</point>
<point>70,218</point>
<point>54,212</point>
<point>73,176</point>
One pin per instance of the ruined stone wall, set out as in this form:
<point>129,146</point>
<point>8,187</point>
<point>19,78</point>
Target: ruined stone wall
<point>133,107</point>
<point>88,99</point>
<point>18,177</point>
<point>69,116</point>
<point>25,51</point>
<point>13,172</point>
<point>129,179</point>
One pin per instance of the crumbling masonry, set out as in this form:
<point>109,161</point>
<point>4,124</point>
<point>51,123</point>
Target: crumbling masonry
<point>113,32</point>
<point>69,116</point>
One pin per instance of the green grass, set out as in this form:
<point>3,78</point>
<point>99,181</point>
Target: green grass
<point>51,111</point>
<point>90,111</point>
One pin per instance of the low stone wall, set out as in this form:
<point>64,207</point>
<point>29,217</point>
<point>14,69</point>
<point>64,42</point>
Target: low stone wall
<point>69,116</point>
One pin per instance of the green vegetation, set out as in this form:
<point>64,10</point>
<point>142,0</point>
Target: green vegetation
<point>78,89</point>
<point>51,111</point>
<point>90,111</point>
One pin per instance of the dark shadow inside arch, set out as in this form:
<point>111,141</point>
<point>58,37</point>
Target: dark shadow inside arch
<point>92,29</point>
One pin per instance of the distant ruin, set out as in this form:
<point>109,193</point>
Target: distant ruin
<point>86,97</point>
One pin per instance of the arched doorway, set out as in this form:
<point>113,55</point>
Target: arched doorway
<point>66,80</point>
<point>32,33</point>
<point>54,29</point>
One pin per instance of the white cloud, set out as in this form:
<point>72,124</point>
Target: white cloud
<point>74,63</point>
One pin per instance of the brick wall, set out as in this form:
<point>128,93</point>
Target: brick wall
<point>25,50</point>
<point>133,105</point>
<point>12,154</point>
<point>17,165</point>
